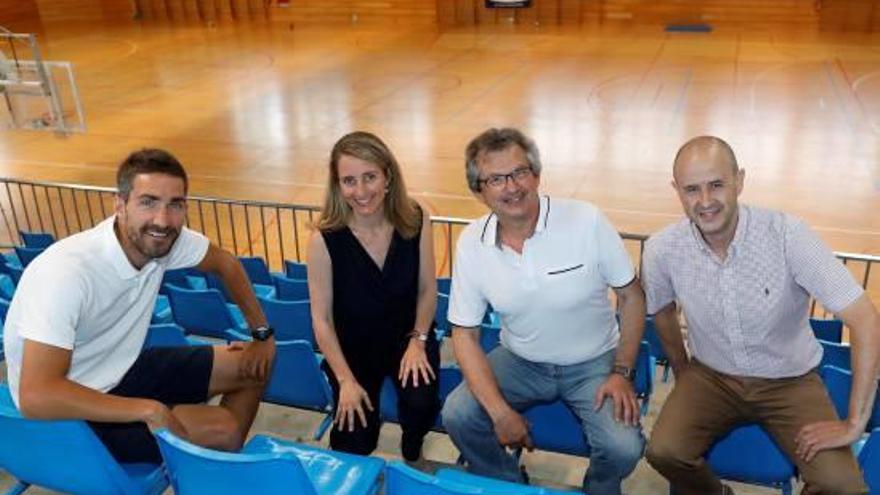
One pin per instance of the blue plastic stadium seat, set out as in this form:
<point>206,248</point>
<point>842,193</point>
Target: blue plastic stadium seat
<point>830,330</point>
<point>747,454</point>
<point>291,320</point>
<point>66,456</point>
<point>290,289</point>
<point>40,240</point>
<point>835,354</point>
<point>869,460</point>
<point>205,313</point>
<point>267,465</point>
<point>295,269</point>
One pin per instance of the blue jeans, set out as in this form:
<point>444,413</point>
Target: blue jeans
<point>616,447</point>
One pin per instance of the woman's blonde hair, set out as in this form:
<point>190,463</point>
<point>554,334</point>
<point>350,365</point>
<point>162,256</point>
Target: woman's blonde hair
<point>400,210</point>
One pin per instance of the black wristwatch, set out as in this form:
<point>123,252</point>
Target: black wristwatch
<point>624,371</point>
<point>262,333</point>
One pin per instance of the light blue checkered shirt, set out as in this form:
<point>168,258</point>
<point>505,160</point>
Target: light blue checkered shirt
<point>747,315</point>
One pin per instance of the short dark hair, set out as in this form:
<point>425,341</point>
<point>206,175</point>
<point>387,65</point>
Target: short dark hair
<point>148,161</point>
<point>492,140</point>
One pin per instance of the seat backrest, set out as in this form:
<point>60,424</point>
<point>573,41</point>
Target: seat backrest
<point>553,427</point>
<point>15,272</point>
<point>4,308</point>
<point>297,379</point>
<point>256,269</point>
<point>440,313</point>
<point>835,354</point>
<point>202,312</point>
<point>644,382</point>
<point>869,460</point>
<point>291,320</point>
<point>748,454</point>
<point>40,240</point>
<point>295,269</point>
<point>838,381</point>
<point>490,337</point>
<point>213,281</point>
<point>494,486</point>
<point>653,340</point>
<point>26,255</point>
<point>290,289</point>
<point>64,456</point>
<point>830,330</point>
<point>197,470</point>
<point>401,479</point>
<point>165,335</point>
<point>444,285</point>
<point>178,278</point>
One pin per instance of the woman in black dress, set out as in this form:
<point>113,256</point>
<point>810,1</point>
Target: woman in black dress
<point>373,293</point>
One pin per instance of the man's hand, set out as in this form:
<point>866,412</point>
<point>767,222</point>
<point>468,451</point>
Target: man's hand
<point>352,399</point>
<point>160,416</point>
<point>824,435</point>
<point>415,363</point>
<point>620,390</point>
<point>256,359</point>
<point>512,430</point>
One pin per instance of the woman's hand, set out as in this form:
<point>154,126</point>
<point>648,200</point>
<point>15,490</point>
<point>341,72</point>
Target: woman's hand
<point>352,398</point>
<point>415,364</point>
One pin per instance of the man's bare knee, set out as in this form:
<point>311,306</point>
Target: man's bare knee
<point>213,427</point>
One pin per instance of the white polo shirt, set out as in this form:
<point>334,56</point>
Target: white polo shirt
<point>552,298</point>
<point>83,294</point>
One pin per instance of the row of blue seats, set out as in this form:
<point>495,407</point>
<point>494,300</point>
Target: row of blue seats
<point>66,456</point>
<point>300,383</point>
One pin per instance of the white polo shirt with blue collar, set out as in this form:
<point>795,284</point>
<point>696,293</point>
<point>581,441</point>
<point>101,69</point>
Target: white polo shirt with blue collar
<point>82,294</point>
<point>553,297</point>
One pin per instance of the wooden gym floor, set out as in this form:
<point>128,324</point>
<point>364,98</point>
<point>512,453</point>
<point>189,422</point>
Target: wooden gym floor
<point>253,109</point>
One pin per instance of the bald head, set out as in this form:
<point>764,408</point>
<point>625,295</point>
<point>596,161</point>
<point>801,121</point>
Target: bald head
<point>708,182</point>
<point>709,149</point>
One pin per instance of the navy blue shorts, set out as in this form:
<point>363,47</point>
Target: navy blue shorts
<point>170,375</point>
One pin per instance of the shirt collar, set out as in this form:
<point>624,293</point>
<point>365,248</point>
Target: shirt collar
<point>114,253</point>
<point>489,235</point>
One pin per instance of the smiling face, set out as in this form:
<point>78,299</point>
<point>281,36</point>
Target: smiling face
<point>516,200</point>
<point>708,184</point>
<point>149,220</point>
<point>363,186</point>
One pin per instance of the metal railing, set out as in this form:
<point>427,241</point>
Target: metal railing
<point>273,231</point>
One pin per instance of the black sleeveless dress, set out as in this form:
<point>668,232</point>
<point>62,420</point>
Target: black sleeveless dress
<point>373,308</point>
<point>374,311</point>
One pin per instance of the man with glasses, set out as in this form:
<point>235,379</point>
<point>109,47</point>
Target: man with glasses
<point>545,265</point>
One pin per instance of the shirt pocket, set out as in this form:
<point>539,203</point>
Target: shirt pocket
<point>566,284</point>
<point>566,270</point>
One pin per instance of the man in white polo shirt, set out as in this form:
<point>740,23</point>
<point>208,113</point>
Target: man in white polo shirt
<point>80,315</point>
<point>545,265</point>
<point>743,277</point>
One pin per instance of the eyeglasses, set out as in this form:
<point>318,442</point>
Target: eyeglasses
<point>498,181</point>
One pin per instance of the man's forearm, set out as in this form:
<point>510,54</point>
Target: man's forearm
<point>64,399</point>
<point>477,372</point>
<point>669,331</point>
<point>631,305</point>
<point>864,324</point>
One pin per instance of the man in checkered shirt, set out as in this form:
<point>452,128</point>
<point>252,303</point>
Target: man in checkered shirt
<point>743,277</point>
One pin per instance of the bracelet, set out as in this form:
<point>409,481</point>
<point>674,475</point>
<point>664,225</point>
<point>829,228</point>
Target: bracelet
<point>422,336</point>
